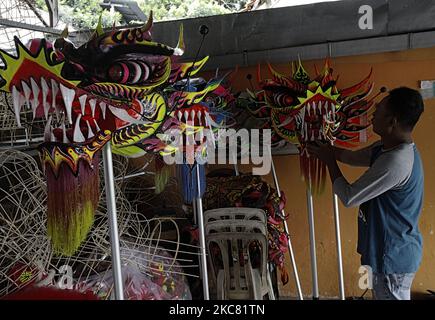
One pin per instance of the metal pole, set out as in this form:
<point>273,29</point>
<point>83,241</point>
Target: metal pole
<point>195,212</point>
<point>133,175</point>
<point>26,26</point>
<point>236,169</point>
<point>271,293</point>
<point>203,255</point>
<point>338,239</point>
<point>289,244</point>
<point>312,242</point>
<point>113,224</point>
<point>195,215</point>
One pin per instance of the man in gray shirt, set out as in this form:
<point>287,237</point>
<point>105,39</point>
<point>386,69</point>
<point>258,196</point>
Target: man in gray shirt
<point>389,194</point>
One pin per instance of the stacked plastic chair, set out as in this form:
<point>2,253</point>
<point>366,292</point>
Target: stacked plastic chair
<point>237,247</point>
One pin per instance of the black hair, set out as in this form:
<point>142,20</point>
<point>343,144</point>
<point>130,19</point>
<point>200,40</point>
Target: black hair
<point>406,105</point>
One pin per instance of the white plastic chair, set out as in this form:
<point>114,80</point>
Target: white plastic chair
<point>233,230</point>
<point>234,213</point>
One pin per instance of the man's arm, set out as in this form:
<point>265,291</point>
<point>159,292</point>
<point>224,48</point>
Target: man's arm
<point>386,173</point>
<point>334,171</point>
<point>359,158</point>
<point>326,154</point>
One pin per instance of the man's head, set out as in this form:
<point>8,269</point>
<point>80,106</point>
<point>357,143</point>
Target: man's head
<point>398,112</point>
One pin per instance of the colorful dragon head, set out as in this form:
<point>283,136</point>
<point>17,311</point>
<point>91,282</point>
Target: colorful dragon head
<point>300,110</point>
<point>115,81</point>
<point>119,86</point>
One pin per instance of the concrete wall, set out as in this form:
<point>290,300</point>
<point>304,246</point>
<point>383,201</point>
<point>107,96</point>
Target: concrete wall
<point>390,69</point>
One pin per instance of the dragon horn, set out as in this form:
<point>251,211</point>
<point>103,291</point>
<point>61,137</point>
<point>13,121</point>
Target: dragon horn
<point>351,90</point>
<point>179,50</point>
<point>99,29</point>
<point>65,32</point>
<point>316,70</point>
<point>327,67</point>
<point>149,24</point>
<point>381,90</point>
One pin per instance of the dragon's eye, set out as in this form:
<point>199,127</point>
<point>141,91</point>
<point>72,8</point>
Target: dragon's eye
<point>116,72</point>
<point>129,72</point>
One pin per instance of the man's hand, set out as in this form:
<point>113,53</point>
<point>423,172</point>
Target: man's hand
<point>322,151</point>
<point>325,152</point>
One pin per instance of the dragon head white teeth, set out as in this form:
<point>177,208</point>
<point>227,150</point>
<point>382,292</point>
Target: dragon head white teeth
<point>92,103</point>
<point>103,109</point>
<point>77,134</point>
<point>16,101</point>
<point>35,93</point>
<point>47,129</point>
<point>90,132</point>
<point>68,98</point>
<point>82,100</point>
<point>96,125</point>
<point>45,90</point>
<point>64,137</point>
<point>27,92</point>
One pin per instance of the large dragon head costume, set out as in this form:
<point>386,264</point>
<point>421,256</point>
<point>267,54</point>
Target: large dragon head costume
<point>119,86</point>
<point>301,109</point>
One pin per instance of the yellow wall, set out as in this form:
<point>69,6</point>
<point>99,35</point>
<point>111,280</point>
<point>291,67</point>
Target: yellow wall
<point>390,70</point>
